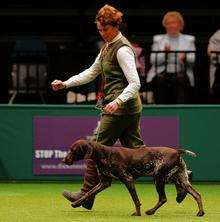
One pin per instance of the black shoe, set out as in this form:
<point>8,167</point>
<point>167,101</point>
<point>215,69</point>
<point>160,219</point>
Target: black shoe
<point>88,204</point>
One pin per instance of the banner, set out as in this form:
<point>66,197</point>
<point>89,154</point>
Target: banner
<point>53,135</point>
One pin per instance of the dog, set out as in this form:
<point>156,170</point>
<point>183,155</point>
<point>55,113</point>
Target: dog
<point>164,164</point>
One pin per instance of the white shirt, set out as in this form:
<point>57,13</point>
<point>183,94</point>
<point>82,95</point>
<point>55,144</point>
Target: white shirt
<point>182,43</point>
<point>126,60</point>
<point>214,44</point>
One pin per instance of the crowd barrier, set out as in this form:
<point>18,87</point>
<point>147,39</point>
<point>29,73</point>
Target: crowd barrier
<point>195,128</point>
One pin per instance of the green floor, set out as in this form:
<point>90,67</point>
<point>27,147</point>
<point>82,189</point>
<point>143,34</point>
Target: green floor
<point>42,202</point>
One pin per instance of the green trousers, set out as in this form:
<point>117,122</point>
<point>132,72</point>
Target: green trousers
<point>126,128</point>
<point>112,127</point>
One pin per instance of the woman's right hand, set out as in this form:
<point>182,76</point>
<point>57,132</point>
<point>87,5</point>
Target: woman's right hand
<point>57,84</point>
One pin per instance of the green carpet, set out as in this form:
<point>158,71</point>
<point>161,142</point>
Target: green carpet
<point>42,202</point>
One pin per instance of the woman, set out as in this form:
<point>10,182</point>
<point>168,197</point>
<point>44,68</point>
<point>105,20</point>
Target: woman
<point>173,72</point>
<point>119,100</point>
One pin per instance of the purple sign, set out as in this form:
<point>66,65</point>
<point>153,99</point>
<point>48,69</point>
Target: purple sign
<point>160,131</point>
<point>53,135</point>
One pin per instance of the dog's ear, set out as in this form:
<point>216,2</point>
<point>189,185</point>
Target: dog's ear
<point>89,151</point>
<point>79,149</point>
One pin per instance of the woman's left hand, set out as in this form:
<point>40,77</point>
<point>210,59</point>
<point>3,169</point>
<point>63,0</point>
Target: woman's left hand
<point>111,107</point>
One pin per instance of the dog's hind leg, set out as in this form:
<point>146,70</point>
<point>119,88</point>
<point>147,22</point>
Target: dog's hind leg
<point>180,179</point>
<point>181,192</point>
<point>197,197</point>
<point>160,187</point>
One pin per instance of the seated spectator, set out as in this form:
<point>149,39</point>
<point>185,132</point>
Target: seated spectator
<point>171,75</point>
<point>214,74</point>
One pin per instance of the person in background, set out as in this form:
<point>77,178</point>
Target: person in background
<point>119,98</point>
<point>171,76</point>
<point>214,72</point>
<point>141,68</point>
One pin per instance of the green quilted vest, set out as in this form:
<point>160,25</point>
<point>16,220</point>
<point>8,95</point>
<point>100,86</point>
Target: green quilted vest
<point>115,80</point>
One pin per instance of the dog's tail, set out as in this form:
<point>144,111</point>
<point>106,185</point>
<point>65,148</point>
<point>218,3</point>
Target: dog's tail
<point>188,152</point>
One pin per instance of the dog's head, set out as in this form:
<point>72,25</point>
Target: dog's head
<point>81,149</point>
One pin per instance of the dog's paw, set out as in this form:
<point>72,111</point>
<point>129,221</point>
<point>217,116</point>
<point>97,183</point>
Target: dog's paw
<point>180,197</point>
<point>150,212</point>
<point>136,214</point>
<point>200,213</point>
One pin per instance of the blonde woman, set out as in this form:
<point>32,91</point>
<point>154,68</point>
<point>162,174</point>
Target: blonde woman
<point>172,72</point>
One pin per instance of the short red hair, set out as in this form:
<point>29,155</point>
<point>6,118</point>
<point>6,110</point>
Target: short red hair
<point>109,15</point>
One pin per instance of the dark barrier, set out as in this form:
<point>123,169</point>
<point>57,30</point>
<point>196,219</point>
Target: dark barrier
<point>198,131</point>
<point>161,57</point>
<point>28,75</point>
<point>171,76</point>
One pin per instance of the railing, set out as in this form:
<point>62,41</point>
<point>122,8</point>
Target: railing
<point>176,62</point>
<point>29,70</point>
<point>28,74</point>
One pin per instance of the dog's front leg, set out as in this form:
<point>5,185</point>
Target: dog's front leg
<point>129,182</point>
<point>160,187</point>
<point>98,188</point>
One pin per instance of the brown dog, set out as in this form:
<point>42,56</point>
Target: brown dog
<point>163,163</point>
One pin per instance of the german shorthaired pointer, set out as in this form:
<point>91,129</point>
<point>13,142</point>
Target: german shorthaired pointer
<point>163,163</point>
